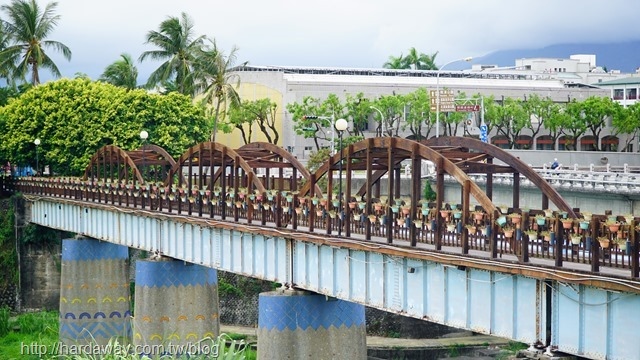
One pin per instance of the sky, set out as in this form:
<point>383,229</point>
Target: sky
<point>337,33</point>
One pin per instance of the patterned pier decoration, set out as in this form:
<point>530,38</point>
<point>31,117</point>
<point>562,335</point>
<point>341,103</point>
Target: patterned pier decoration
<point>176,303</point>
<point>95,303</point>
<point>295,324</point>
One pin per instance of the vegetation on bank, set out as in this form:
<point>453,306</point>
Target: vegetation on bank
<point>27,335</point>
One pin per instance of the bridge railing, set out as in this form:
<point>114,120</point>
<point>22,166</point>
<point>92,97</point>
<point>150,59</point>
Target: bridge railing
<point>596,240</point>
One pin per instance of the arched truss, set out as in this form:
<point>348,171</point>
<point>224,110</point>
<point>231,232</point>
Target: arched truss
<point>203,161</point>
<point>474,156</point>
<point>153,161</point>
<point>375,154</point>
<point>111,162</point>
<point>263,155</point>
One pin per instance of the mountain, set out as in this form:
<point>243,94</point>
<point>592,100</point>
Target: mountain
<point>624,56</point>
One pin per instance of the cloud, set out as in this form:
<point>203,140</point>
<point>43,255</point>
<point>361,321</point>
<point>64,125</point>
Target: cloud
<point>354,33</point>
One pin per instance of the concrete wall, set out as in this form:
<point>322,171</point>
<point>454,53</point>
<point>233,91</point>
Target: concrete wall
<point>40,276</point>
<point>537,158</point>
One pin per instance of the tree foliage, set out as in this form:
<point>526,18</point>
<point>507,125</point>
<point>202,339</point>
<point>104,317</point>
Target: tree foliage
<point>28,27</point>
<point>413,60</point>
<point>261,113</point>
<point>121,72</point>
<point>177,46</point>
<point>74,118</point>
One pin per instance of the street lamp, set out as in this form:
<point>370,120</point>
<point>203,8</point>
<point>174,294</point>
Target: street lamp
<point>381,117</point>
<point>340,126</point>
<point>37,142</point>
<point>438,91</point>
<point>143,136</point>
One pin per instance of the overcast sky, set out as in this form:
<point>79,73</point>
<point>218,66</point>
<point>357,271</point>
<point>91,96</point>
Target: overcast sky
<point>338,33</point>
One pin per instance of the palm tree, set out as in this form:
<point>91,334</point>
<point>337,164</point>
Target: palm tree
<point>121,73</point>
<point>395,63</point>
<point>217,81</point>
<point>178,49</point>
<point>420,61</point>
<point>28,27</point>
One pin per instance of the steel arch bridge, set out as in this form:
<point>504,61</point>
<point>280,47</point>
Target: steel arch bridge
<point>202,166</point>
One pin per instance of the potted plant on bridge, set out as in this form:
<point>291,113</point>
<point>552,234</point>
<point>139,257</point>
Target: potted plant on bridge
<point>546,235</point>
<point>515,218</point>
<point>621,243</point>
<point>532,234</point>
<point>471,228</point>
<point>604,242</point>
<point>567,223</point>
<point>541,220</point>
<point>508,231</point>
<point>613,225</point>
<point>628,218</point>
<point>576,239</point>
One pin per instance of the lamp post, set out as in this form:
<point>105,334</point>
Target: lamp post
<point>340,126</point>
<point>438,91</point>
<point>143,136</point>
<point>381,117</point>
<point>37,142</point>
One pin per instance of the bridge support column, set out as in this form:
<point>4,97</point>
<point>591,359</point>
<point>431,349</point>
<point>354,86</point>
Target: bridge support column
<point>175,304</point>
<point>295,324</point>
<point>94,292</point>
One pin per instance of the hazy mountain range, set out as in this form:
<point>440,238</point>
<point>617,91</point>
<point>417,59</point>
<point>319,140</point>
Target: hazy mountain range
<point>623,56</point>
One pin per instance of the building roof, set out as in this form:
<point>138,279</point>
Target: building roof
<point>631,80</point>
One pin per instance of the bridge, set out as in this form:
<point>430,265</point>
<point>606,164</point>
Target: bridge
<point>553,277</point>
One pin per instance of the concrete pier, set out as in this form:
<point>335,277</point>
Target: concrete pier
<point>94,292</point>
<point>299,325</point>
<point>176,304</point>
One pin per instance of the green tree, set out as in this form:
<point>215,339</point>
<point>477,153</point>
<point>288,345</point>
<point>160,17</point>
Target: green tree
<point>259,112</point>
<point>509,119</point>
<point>572,126</point>
<point>418,115</point>
<point>628,122</point>
<point>392,107</point>
<point>307,118</point>
<point>418,61</point>
<point>178,47</point>
<point>218,82</point>
<point>28,27</point>
<point>395,63</point>
<point>74,118</point>
<point>358,109</point>
<point>121,73</point>
<point>539,109</point>
<point>596,111</point>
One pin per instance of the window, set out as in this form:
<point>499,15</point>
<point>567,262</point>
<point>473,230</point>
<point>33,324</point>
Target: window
<point>618,94</point>
<point>632,94</point>
<point>609,143</point>
<point>523,142</point>
<point>588,143</point>
<point>544,142</point>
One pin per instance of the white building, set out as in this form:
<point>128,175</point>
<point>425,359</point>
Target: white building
<point>285,85</point>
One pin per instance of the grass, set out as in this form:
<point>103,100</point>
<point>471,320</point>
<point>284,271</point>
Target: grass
<point>34,332</point>
<point>31,329</point>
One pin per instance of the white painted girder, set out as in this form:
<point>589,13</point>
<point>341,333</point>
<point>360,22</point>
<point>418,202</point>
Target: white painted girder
<point>487,302</point>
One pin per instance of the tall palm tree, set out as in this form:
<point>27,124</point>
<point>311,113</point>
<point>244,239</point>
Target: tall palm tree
<point>178,48</point>
<point>420,61</point>
<point>28,27</point>
<point>217,81</point>
<point>121,73</point>
<point>395,63</point>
